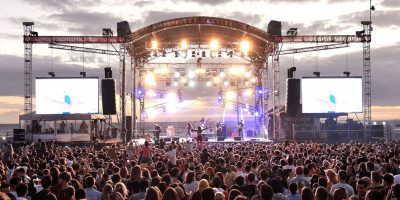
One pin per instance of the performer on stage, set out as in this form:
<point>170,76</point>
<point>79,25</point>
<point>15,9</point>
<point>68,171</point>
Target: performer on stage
<point>157,131</point>
<point>199,137</point>
<point>240,128</point>
<point>188,130</point>
<point>219,129</point>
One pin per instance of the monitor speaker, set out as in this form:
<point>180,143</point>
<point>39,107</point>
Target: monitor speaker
<point>220,138</point>
<point>377,131</point>
<point>292,96</point>
<point>275,28</point>
<point>123,28</point>
<point>108,96</point>
<point>224,132</point>
<point>237,138</point>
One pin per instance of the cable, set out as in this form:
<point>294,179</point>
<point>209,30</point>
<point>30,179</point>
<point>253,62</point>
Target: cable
<point>52,60</point>
<point>83,58</point>
<point>347,67</point>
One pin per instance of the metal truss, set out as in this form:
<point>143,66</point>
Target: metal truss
<point>275,92</point>
<point>122,94</point>
<point>74,39</point>
<point>314,48</point>
<point>28,31</point>
<point>367,28</point>
<point>321,39</point>
<point>83,49</point>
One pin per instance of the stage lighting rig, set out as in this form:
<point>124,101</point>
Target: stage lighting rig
<point>107,32</point>
<point>52,74</point>
<point>317,74</point>
<point>346,73</point>
<point>292,32</point>
<point>83,74</point>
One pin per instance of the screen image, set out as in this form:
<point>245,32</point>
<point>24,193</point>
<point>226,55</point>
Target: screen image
<point>331,95</point>
<point>67,95</point>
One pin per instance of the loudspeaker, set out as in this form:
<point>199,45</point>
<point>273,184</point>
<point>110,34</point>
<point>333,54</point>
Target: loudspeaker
<point>108,96</point>
<point>292,96</point>
<point>108,72</point>
<point>224,132</point>
<point>275,28</point>
<point>19,135</point>
<point>123,28</point>
<point>220,138</point>
<point>377,131</point>
<point>167,139</point>
<point>237,138</point>
<point>128,127</point>
<point>176,139</point>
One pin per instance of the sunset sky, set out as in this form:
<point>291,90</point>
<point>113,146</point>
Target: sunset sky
<point>88,17</point>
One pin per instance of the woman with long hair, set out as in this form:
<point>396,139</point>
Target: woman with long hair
<point>107,191</point>
<point>153,193</point>
<point>307,194</point>
<point>136,173</point>
<point>331,176</point>
<point>189,128</point>
<point>190,184</point>
<point>170,194</point>
<point>121,188</point>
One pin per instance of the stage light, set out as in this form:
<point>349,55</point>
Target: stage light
<point>151,93</point>
<point>191,74</point>
<point>154,44</point>
<point>214,45</point>
<point>176,54</point>
<point>193,54</point>
<point>226,83</point>
<point>208,83</point>
<point>175,83</point>
<point>139,91</point>
<point>200,70</point>
<point>192,83</point>
<point>171,97</point>
<point>151,112</point>
<point>248,92</point>
<point>248,74</point>
<point>171,107</point>
<point>216,80</point>
<point>253,80</point>
<point>245,47</point>
<point>230,54</point>
<point>260,90</point>
<point>229,105</point>
<point>246,83</point>
<point>149,79</point>
<point>230,95</point>
<point>184,45</point>
<point>237,70</point>
<point>162,70</point>
<point>177,74</point>
<point>222,74</point>
<point>256,114</point>
<point>184,80</point>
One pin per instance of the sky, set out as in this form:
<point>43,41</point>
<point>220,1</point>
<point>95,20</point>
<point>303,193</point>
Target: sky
<point>88,17</point>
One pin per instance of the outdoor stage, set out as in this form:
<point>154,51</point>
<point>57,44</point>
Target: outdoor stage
<point>141,141</point>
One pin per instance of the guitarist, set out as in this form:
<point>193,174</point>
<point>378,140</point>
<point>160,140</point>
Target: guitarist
<point>199,138</point>
<point>240,126</point>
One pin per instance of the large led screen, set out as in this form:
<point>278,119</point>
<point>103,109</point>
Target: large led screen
<point>67,95</point>
<point>331,95</point>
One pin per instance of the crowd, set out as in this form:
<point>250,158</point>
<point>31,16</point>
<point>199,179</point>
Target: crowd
<point>182,171</point>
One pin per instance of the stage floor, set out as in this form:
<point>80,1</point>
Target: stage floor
<point>141,141</point>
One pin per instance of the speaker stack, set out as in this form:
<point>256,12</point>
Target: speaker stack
<point>19,135</point>
<point>292,96</point>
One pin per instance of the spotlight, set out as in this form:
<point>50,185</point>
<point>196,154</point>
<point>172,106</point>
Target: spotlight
<point>214,45</point>
<point>260,90</point>
<point>216,80</point>
<point>191,74</point>
<point>245,47</point>
<point>175,83</point>
<point>248,92</point>
<point>154,44</point>
<point>230,95</point>
<point>317,74</point>
<point>229,105</point>
<point>193,54</point>
<point>346,73</point>
<point>192,84</point>
<point>184,45</point>
<point>248,74</point>
<point>83,74</point>
<point>226,83</point>
<point>246,83</point>
<point>139,92</point>
<point>177,74</point>
<point>151,93</point>
<point>184,80</point>
<point>208,83</point>
<point>149,79</point>
<point>222,74</point>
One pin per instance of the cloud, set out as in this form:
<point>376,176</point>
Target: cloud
<point>64,4</point>
<point>158,16</point>
<point>381,18</point>
<point>252,19</point>
<point>391,3</point>
<point>208,2</point>
<point>89,23</point>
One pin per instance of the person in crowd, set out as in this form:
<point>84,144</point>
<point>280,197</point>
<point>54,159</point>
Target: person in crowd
<point>91,192</point>
<point>342,176</point>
